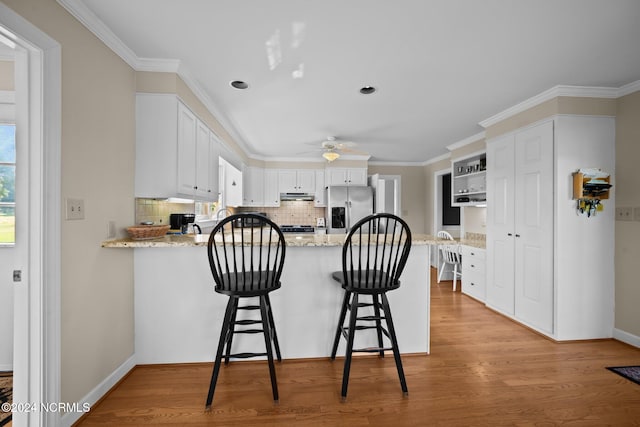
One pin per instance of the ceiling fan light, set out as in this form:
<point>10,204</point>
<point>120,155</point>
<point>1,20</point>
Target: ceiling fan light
<point>330,155</point>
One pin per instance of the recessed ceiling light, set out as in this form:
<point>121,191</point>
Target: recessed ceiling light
<point>367,90</point>
<point>239,84</point>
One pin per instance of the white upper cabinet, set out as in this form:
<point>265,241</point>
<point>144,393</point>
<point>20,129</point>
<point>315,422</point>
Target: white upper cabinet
<point>346,176</point>
<point>320,200</point>
<point>174,151</point>
<point>253,186</point>
<point>271,190</point>
<point>232,193</point>
<point>296,180</point>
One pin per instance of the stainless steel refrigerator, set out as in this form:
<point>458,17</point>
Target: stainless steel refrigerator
<point>347,205</point>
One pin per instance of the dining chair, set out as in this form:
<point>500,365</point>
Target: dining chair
<point>371,266</point>
<point>246,261</point>
<point>442,234</point>
<point>451,255</point>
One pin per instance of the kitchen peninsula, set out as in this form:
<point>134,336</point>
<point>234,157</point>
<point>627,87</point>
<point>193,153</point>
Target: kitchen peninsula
<point>178,315</point>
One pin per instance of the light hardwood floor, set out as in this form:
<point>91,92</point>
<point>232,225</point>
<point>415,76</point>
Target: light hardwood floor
<point>483,370</point>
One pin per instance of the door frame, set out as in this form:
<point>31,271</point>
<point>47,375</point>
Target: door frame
<point>37,297</point>
<point>437,206</point>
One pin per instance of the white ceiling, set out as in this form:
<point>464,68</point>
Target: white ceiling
<point>440,66</point>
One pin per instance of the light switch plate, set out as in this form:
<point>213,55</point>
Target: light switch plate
<point>75,209</point>
<point>624,214</point>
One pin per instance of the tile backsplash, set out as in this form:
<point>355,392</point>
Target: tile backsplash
<point>290,212</point>
<point>294,212</point>
<point>158,211</point>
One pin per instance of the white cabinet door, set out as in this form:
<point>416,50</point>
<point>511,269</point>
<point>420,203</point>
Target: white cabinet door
<point>357,176</point>
<point>306,181</point>
<point>320,200</point>
<point>232,185</point>
<point>534,226</point>
<point>253,186</point>
<point>271,191</point>
<point>344,176</point>
<point>520,226</point>
<point>500,224</point>
<point>288,181</point>
<point>186,150</point>
<point>214,153</point>
<point>296,181</point>
<point>201,160</point>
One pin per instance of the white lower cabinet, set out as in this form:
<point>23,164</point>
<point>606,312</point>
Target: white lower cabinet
<point>473,272</point>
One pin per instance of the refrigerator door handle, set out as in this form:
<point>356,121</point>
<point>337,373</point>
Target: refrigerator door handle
<point>347,217</point>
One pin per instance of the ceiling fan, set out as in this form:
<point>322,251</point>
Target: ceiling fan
<point>333,148</point>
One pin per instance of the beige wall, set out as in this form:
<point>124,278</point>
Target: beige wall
<point>627,239</point>
<point>414,193</point>
<point>98,134</point>
<point>429,171</point>
<point>6,75</point>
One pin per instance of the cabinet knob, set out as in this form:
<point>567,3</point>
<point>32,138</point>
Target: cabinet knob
<point>195,187</point>
<point>509,234</point>
<point>517,235</point>
<point>473,266</point>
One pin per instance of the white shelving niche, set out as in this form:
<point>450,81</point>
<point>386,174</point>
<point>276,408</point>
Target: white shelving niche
<point>469,180</point>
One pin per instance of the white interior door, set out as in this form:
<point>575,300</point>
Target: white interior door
<point>534,226</point>
<point>500,224</point>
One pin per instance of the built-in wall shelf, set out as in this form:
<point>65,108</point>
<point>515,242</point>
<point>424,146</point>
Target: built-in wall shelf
<point>468,183</point>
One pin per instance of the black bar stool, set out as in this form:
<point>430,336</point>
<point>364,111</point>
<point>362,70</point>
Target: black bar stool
<point>373,257</point>
<point>246,256</point>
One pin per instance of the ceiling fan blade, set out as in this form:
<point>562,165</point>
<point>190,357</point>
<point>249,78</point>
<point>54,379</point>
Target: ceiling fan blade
<point>352,151</point>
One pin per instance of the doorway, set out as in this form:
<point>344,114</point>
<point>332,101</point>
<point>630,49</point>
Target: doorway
<point>36,360</point>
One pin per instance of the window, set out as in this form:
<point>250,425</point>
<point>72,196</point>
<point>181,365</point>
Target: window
<point>450,214</point>
<point>7,184</point>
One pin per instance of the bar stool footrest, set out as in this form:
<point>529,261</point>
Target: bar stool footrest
<point>246,355</point>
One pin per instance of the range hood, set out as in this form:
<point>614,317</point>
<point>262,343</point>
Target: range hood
<point>297,196</point>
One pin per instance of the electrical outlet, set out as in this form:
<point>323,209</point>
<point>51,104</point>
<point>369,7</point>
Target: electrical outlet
<point>636,214</point>
<point>624,214</point>
<point>75,209</point>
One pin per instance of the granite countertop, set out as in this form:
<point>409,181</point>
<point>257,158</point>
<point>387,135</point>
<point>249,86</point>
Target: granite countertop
<point>292,240</point>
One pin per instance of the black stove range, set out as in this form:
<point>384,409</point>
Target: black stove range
<point>297,228</point>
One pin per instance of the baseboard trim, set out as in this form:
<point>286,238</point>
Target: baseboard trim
<point>100,391</point>
<point>6,367</point>
<point>626,337</point>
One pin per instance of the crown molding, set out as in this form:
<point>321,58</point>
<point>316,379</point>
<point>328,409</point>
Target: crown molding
<point>390,163</point>
<point>630,88</point>
<point>89,19</point>
<point>157,65</point>
<point>468,140</point>
<point>554,92</point>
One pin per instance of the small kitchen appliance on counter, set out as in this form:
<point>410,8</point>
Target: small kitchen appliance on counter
<point>180,222</point>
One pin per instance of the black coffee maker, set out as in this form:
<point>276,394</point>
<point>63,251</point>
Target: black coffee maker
<point>181,221</point>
